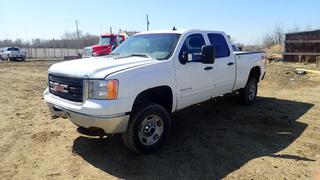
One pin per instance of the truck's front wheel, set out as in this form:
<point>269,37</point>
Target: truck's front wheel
<point>148,129</point>
<point>249,93</point>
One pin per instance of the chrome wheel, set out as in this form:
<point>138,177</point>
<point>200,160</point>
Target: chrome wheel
<point>252,91</point>
<point>150,130</point>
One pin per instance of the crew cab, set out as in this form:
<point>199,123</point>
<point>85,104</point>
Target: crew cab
<point>107,43</point>
<point>149,76</point>
<point>12,53</point>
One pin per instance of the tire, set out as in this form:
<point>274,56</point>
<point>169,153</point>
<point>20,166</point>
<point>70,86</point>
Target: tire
<point>148,129</point>
<point>249,93</point>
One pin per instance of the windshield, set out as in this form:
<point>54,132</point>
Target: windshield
<point>158,46</point>
<point>13,49</point>
<point>104,40</point>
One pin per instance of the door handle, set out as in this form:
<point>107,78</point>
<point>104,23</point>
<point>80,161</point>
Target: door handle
<point>230,63</point>
<point>208,68</point>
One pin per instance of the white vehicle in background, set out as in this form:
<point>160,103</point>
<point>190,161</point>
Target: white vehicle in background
<point>149,76</point>
<point>12,53</point>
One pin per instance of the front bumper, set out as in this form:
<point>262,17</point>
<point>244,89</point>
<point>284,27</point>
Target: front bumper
<point>109,124</point>
<point>88,115</point>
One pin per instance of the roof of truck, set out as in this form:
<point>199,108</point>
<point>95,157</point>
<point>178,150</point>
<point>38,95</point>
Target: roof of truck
<point>177,31</point>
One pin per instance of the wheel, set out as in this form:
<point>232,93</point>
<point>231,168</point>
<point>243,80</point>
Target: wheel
<point>249,93</point>
<point>148,128</point>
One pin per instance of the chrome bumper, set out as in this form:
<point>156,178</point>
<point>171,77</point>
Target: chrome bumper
<point>110,124</point>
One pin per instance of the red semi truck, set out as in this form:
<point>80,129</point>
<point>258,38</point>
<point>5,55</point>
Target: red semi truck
<point>107,43</point>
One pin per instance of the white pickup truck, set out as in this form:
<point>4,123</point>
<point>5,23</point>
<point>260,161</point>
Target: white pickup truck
<point>152,74</point>
<point>12,53</point>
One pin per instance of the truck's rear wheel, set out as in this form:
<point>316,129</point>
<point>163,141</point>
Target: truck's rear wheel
<point>249,93</point>
<point>148,129</point>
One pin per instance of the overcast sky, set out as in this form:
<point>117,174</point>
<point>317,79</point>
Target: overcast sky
<point>246,20</point>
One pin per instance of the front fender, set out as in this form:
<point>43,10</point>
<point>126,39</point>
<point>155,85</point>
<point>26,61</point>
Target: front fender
<point>136,80</point>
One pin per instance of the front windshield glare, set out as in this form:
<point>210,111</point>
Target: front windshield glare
<point>158,46</point>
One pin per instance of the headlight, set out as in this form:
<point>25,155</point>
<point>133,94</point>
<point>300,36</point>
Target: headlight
<point>103,89</point>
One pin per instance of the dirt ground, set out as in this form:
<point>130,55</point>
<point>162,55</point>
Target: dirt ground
<point>277,138</point>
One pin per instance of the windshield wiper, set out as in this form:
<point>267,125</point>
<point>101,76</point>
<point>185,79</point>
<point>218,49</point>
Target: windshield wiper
<point>141,55</point>
<point>144,55</point>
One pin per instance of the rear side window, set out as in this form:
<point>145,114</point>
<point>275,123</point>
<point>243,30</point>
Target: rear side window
<point>220,44</point>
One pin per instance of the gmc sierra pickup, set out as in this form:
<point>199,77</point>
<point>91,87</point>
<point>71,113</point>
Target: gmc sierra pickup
<point>149,76</point>
<point>12,53</point>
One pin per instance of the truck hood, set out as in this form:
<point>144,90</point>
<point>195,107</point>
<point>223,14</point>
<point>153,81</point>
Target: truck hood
<point>97,67</point>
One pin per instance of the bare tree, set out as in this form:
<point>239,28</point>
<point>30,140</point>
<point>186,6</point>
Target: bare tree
<point>268,40</point>
<point>274,38</point>
<point>278,34</point>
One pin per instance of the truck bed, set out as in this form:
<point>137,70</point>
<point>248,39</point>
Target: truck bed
<point>244,62</point>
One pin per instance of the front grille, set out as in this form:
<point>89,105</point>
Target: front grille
<point>66,87</point>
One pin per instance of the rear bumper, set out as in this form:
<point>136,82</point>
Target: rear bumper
<point>109,124</point>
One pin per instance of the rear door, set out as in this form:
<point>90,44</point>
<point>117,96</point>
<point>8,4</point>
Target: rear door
<point>194,79</point>
<point>224,66</point>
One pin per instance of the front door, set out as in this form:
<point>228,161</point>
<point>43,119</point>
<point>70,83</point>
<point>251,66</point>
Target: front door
<point>194,79</point>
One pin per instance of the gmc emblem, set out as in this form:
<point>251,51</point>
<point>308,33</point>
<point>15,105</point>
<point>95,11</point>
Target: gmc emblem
<point>59,87</point>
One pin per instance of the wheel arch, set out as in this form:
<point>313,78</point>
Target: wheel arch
<point>162,95</point>
<point>255,72</point>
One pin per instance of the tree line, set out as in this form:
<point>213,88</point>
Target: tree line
<point>68,40</point>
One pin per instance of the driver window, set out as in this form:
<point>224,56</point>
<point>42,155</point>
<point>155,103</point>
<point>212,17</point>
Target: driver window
<point>192,46</point>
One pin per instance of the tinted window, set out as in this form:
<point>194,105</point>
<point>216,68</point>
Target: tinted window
<point>13,49</point>
<point>220,44</point>
<point>192,45</point>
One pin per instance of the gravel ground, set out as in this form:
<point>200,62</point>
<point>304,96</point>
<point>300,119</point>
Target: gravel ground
<point>277,138</point>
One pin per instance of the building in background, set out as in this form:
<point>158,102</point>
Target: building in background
<point>302,46</point>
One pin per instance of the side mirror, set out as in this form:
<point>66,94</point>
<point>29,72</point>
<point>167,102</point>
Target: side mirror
<point>184,58</point>
<point>207,54</point>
